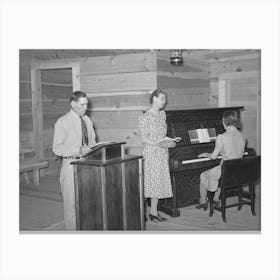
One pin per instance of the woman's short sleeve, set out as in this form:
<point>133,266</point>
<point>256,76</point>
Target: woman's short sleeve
<point>218,146</point>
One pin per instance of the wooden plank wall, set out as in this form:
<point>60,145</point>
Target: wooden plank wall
<point>242,79</point>
<point>118,88</point>
<point>187,85</point>
<point>56,89</point>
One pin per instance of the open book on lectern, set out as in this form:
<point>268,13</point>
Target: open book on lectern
<point>202,135</point>
<point>105,151</point>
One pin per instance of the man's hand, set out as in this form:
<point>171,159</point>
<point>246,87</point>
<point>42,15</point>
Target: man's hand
<point>84,150</point>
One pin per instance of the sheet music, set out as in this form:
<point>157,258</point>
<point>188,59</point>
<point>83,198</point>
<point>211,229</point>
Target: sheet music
<point>202,135</point>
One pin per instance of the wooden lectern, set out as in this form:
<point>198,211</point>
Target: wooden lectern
<point>109,189</point>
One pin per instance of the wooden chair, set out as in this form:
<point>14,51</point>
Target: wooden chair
<point>33,165</point>
<point>27,165</point>
<point>236,174</point>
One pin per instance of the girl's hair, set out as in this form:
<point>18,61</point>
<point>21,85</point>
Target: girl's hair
<point>155,93</point>
<point>230,118</point>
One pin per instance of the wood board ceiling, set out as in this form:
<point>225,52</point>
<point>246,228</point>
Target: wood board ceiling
<point>202,55</point>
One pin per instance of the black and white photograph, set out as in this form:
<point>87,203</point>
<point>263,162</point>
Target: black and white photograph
<point>145,140</point>
<point>139,140</point>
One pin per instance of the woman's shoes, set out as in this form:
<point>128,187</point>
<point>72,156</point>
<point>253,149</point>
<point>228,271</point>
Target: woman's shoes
<point>157,217</point>
<point>202,206</point>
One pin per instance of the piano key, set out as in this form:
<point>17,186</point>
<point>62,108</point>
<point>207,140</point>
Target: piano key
<point>202,159</point>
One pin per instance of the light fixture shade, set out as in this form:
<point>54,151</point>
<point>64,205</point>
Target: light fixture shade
<point>176,58</point>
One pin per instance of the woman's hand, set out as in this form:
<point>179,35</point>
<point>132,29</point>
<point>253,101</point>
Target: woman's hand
<point>203,155</point>
<point>166,144</point>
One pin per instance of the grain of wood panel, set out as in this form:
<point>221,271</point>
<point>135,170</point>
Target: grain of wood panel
<point>114,204</point>
<point>166,82</point>
<point>233,66</point>
<point>49,106</point>
<point>137,151</point>
<point>187,101</point>
<point>237,103</point>
<point>244,96</point>
<point>188,63</point>
<point>191,91</point>
<point>130,136</point>
<point>239,75</point>
<point>27,141</point>
<point>247,81</point>
<point>119,101</point>
<point>248,88</point>
<point>117,109</point>
<point>118,93</point>
<point>165,65</point>
<point>89,194</point>
<point>119,64</point>
<point>132,194</point>
<point>63,76</point>
<point>48,91</point>
<point>184,75</point>
<point>119,82</point>
<point>25,121</point>
<point>214,93</point>
<point>48,76</point>
<point>115,119</point>
<point>232,56</point>
<point>37,118</point>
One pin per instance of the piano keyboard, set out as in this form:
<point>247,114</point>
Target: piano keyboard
<point>202,159</point>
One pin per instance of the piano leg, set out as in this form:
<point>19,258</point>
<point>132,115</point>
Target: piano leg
<point>171,209</point>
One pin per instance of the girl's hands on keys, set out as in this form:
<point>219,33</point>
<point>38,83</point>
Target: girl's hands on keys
<point>203,155</point>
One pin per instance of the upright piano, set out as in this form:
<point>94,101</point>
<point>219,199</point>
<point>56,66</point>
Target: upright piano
<point>185,166</point>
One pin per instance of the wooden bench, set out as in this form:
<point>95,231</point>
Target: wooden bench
<point>35,166</point>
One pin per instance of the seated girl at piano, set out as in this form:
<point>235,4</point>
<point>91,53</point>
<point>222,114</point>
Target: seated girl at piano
<point>152,127</point>
<point>229,145</point>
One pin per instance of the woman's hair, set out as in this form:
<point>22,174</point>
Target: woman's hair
<point>155,93</point>
<point>230,118</point>
<point>76,95</point>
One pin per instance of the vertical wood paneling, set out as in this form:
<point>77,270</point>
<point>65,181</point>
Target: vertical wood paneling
<point>132,194</point>
<point>244,91</point>
<point>76,77</point>
<point>113,176</point>
<point>37,113</point>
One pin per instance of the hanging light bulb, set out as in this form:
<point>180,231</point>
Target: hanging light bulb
<point>176,57</point>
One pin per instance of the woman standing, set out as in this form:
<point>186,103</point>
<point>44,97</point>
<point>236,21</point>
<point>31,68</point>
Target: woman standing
<point>153,128</point>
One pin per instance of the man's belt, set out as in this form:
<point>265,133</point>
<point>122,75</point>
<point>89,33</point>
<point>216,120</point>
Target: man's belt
<point>72,157</point>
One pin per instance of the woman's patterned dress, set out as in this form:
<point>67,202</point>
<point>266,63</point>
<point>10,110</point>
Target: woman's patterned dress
<point>157,182</point>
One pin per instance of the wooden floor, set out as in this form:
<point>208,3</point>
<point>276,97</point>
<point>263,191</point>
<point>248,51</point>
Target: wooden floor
<point>41,209</point>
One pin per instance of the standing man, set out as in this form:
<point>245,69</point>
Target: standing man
<point>73,137</point>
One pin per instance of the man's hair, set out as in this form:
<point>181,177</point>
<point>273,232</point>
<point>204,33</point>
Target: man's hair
<point>76,95</point>
<point>155,93</point>
<point>230,118</point>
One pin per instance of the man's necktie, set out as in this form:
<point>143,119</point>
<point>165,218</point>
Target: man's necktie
<point>84,132</point>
